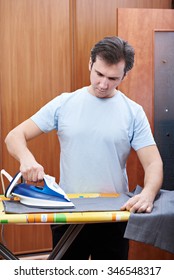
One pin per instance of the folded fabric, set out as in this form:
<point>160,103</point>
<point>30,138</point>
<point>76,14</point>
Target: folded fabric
<point>81,205</point>
<point>155,228</point>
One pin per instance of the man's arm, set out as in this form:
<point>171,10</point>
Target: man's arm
<point>16,142</point>
<point>153,177</point>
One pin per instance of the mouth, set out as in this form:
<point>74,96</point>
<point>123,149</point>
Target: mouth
<point>101,91</point>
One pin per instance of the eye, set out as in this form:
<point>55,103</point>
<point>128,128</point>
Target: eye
<point>99,74</point>
<point>114,79</point>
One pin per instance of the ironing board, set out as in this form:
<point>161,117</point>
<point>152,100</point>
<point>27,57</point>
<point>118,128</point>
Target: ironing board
<point>75,219</point>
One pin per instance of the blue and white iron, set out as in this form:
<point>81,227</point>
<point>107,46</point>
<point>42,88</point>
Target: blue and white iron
<point>50,195</point>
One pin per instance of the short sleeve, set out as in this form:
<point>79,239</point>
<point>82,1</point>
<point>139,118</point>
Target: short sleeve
<point>142,134</point>
<point>47,117</point>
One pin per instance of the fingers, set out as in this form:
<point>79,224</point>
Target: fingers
<point>33,173</point>
<point>138,204</point>
<point>149,209</point>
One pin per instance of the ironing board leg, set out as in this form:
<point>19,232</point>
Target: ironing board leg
<point>6,253</point>
<point>66,240</point>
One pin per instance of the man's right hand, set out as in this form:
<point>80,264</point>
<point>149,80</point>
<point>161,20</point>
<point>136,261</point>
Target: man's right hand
<point>33,172</point>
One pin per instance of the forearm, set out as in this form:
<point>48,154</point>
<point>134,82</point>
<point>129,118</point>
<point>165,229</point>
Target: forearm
<point>153,179</point>
<point>16,142</point>
<point>17,146</point>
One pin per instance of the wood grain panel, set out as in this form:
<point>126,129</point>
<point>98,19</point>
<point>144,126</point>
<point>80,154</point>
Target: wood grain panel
<point>141,251</point>
<point>35,67</point>
<point>139,86</point>
<point>28,239</point>
<point>95,19</point>
<point>104,19</point>
<point>83,39</point>
<point>139,32</point>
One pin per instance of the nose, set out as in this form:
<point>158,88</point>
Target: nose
<point>103,83</point>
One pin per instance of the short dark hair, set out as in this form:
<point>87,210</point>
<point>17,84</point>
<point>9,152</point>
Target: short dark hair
<point>113,50</point>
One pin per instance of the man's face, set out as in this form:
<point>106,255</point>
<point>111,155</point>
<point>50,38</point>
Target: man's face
<point>105,77</point>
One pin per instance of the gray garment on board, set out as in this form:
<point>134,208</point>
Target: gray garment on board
<point>155,228</point>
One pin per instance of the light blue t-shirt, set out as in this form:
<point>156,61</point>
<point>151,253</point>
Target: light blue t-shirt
<point>96,136</point>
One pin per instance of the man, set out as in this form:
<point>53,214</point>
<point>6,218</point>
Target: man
<point>97,126</point>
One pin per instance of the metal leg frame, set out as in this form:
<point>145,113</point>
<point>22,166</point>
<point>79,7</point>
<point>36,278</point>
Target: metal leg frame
<point>6,253</point>
<point>60,249</point>
<point>66,240</point>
